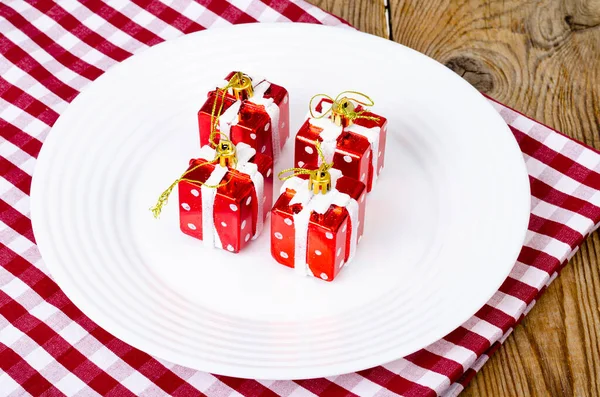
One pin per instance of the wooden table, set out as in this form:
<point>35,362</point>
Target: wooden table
<point>541,58</point>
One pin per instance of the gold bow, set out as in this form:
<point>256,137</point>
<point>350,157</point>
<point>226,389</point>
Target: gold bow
<point>319,180</point>
<point>343,107</point>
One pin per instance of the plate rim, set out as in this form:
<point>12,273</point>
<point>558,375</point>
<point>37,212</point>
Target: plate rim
<point>36,203</point>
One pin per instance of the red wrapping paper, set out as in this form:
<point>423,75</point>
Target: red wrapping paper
<point>329,235</point>
<point>352,150</point>
<point>235,211</point>
<point>261,121</point>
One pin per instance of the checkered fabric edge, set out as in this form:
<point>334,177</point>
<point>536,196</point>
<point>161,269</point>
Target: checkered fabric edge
<point>50,51</point>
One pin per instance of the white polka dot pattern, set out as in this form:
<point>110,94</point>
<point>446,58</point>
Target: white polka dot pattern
<point>339,252</point>
<point>267,126</point>
<point>243,224</point>
<point>195,192</point>
<point>269,173</point>
<point>278,235</point>
<point>288,221</point>
<point>347,159</point>
<point>191,226</point>
<point>301,163</point>
<point>233,207</point>
<point>309,150</point>
<point>223,224</point>
<point>324,276</point>
<point>284,255</point>
<point>247,237</point>
<point>317,252</point>
<point>248,200</point>
<point>185,206</point>
<point>230,248</point>
<point>253,135</point>
<point>329,235</point>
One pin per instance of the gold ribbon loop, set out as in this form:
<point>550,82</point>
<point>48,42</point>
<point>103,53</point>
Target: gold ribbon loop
<point>343,107</point>
<point>239,83</point>
<point>312,109</point>
<point>294,172</point>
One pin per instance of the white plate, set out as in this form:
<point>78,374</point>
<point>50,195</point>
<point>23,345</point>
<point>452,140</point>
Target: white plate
<point>444,224</point>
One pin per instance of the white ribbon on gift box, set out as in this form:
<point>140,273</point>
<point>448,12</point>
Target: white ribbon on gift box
<point>331,132</point>
<point>372,135</point>
<point>272,110</point>
<point>318,203</point>
<point>230,116</point>
<point>210,237</point>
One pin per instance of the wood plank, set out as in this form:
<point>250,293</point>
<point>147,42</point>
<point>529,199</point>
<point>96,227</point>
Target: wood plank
<point>541,58</point>
<point>365,15</point>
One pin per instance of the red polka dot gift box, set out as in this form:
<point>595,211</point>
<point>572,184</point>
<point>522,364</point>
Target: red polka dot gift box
<point>247,109</point>
<point>351,137</point>
<point>225,206</point>
<point>317,232</point>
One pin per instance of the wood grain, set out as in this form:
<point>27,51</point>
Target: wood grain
<point>365,15</point>
<point>542,58</point>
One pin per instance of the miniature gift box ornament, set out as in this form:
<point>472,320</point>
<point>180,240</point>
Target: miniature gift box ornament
<point>247,109</point>
<point>224,196</point>
<point>317,221</point>
<point>351,137</point>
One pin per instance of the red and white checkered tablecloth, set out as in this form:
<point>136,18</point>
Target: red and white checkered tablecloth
<point>50,51</point>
